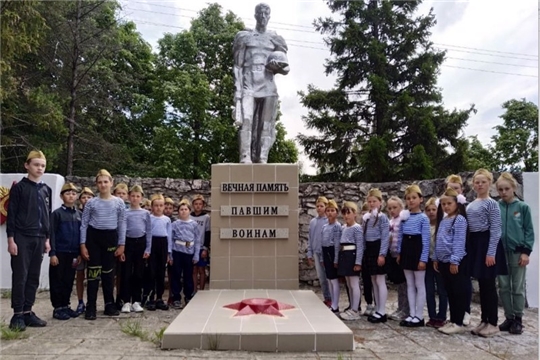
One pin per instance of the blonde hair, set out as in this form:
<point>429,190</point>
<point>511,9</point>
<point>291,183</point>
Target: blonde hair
<point>332,205</point>
<point>136,188</point>
<point>375,193</point>
<point>432,201</point>
<point>351,206</point>
<point>454,179</point>
<point>156,197</point>
<point>396,199</point>
<point>184,202</point>
<point>35,154</point>
<point>322,199</point>
<point>411,189</point>
<point>484,172</point>
<point>86,190</point>
<point>146,202</point>
<point>121,186</point>
<point>198,197</point>
<point>506,176</point>
<point>103,172</point>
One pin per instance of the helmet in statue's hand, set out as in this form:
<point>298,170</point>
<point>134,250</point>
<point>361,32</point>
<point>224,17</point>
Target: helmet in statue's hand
<point>277,60</point>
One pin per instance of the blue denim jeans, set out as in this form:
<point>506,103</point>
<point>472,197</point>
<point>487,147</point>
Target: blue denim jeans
<point>434,283</point>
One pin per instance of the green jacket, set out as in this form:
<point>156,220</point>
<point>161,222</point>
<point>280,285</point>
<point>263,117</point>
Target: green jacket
<point>517,227</point>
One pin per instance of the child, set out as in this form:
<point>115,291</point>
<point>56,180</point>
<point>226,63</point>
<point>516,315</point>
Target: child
<point>348,258</point>
<point>169,209</point>
<point>186,245</point>
<point>64,254</point>
<point>103,236</point>
<point>518,240</point>
<point>394,206</point>
<point>138,244</point>
<point>455,182</point>
<point>449,257</point>
<point>413,249</point>
<point>203,221</point>
<point>159,256</point>
<point>331,235</point>
<point>121,191</point>
<point>366,277</point>
<point>86,194</point>
<point>376,236</point>
<point>486,254</point>
<point>434,278</point>
<point>314,250</point>
<point>28,230</point>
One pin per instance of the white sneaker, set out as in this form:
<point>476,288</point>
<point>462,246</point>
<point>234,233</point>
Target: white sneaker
<point>453,329</point>
<point>448,324</point>
<point>370,310</point>
<point>350,315</point>
<point>136,307</point>
<point>126,308</point>
<point>397,315</point>
<point>467,319</point>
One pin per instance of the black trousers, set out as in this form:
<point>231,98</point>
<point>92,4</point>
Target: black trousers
<point>26,270</point>
<point>132,270</point>
<point>101,245</point>
<point>61,279</point>
<point>489,301</point>
<point>456,290</point>
<point>155,278</point>
<point>182,267</point>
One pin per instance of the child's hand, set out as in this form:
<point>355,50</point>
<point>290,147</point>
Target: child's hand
<point>523,260</point>
<point>436,266</point>
<point>454,269</point>
<point>119,251</point>
<point>195,261</point>
<point>357,268</point>
<point>421,266</point>
<point>122,258</point>
<point>12,247</point>
<point>47,246</point>
<point>146,255</point>
<point>84,252</point>
<point>79,260</point>
<point>170,260</point>
<point>335,265</point>
<point>490,261</point>
<point>310,262</point>
<point>54,261</point>
<point>322,264</point>
<point>204,254</point>
<point>398,259</point>
<point>380,261</point>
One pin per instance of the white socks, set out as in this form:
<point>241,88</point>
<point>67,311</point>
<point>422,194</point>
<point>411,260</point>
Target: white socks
<point>416,292</point>
<point>353,282</point>
<point>334,293</point>
<point>380,292</point>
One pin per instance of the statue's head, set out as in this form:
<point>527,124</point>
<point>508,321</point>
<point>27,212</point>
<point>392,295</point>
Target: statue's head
<point>262,14</point>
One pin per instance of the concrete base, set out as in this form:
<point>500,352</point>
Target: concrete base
<point>206,324</point>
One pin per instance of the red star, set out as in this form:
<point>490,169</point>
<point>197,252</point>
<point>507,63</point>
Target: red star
<point>259,306</point>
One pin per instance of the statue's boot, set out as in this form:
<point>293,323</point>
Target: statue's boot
<point>266,144</point>
<point>245,147</point>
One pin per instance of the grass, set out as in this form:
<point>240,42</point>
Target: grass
<point>213,341</point>
<point>158,336</point>
<point>8,334</point>
<point>134,328</point>
<point>6,294</point>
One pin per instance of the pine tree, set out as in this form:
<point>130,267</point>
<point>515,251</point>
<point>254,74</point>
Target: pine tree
<point>384,120</point>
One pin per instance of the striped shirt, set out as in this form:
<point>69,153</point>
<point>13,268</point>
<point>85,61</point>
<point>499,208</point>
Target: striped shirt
<point>138,224</point>
<point>315,236</point>
<point>395,224</point>
<point>451,237</point>
<point>331,234</point>
<point>416,224</point>
<point>186,230</point>
<point>381,230</point>
<point>203,221</point>
<point>161,227</point>
<point>484,215</point>
<point>104,214</point>
<point>349,236</point>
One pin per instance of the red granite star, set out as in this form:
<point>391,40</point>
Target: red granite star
<point>259,306</point>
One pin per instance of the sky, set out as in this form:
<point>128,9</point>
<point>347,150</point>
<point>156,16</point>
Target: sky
<point>492,51</point>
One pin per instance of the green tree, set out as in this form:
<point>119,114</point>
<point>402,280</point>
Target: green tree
<point>479,156</point>
<point>384,120</point>
<point>516,141</point>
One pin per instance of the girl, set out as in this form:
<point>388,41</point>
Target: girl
<point>455,182</point>
<point>121,191</point>
<point>449,259</point>
<point>348,257</point>
<point>366,277</point>
<point>138,244</point>
<point>103,236</point>
<point>518,240</point>
<point>413,248</point>
<point>160,253</point>
<point>202,218</point>
<point>331,235</point>
<point>433,278</point>
<point>314,251</point>
<point>486,255</point>
<point>395,272</point>
<point>84,197</point>
<point>186,246</point>
<point>376,235</point>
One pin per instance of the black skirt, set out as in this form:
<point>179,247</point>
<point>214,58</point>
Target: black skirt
<point>477,247</point>
<point>411,250</point>
<point>346,262</point>
<point>394,271</point>
<point>328,253</point>
<point>371,254</point>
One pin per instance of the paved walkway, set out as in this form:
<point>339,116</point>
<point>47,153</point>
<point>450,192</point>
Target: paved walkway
<point>103,339</point>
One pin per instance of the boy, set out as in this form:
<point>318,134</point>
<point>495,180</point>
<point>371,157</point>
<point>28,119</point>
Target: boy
<point>84,197</point>
<point>169,209</point>
<point>28,232</point>
<point>314,249</point>
<point>64,254</point>
<point>203,221</point>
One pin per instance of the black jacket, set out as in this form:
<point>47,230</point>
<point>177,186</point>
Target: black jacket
<point>65,230</point>
<point>29,209</point>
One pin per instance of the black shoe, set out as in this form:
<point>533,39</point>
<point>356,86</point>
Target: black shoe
<point>90,314</point>
<point>506,325</point>
<point>377,319</point>
<point>151,306</point>
<point>17,323</point>
<point>119,304</point>
<point>144,300</point>
<point>72,313</point>
<point>517,327</point>
<point>416,324</point>
<point>31,320</point>
<point>404,322</point>
<point>111,310</point>
<point>61,314</point>
<point>160,304</point>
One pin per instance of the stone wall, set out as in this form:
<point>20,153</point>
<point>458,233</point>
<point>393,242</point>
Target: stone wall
<point>308,194</point>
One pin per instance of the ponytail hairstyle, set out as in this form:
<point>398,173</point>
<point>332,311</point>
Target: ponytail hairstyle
<point>460,201</point>
<point>376,193</point>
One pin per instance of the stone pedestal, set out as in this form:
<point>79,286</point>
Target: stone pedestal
<point>254,226</point>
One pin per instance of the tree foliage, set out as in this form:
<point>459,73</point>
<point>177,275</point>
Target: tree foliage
<point>384,120</point>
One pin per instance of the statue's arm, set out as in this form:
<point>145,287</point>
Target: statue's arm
<point>239,50</point>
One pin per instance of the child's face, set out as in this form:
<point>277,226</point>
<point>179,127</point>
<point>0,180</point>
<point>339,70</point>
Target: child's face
<point>69,198</point>
<point>349,215</point>
<point>321,207</point>
<point>157,207</point>
<point>84,198</point>
<point>135,199</point>
<point>183,212</point>
<point>505,190</point>
<point>122,194</point>
<point>394,208</point>
<point>36,168</point>
<point>198,206</point>
<point>413,201</point>
<point>331,214</point>
<point>373,203</point>
<point>449,205</point>
<point>169,209</point>
<point>481,184</point>
<point>455,186</point>
<point>104,184</point>
<point>431,212</point>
